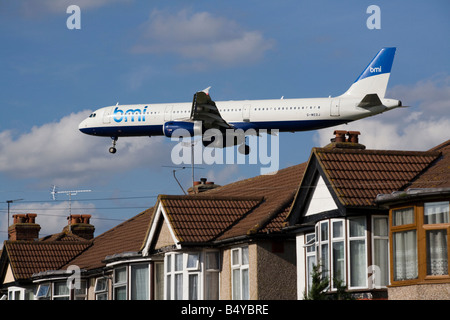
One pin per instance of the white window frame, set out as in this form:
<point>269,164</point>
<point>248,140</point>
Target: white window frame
<point>356,238</point>
<point>182,273</point>
<point>60,296</point>
<point>131,282</point>
<point>16,293</point>
<point>46,294</point>
<point>310,243</point>
<point>241,267</point>
<point>214,273</point>
<point>322,242</point>
<point>120,284</point>
<point>159,280</point>
<point>99,290</point>
<point>336,239</point>
<point>81,294</point>
<point>378,237</point>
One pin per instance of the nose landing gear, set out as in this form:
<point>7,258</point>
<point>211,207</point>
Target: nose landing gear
<point>113,148</point>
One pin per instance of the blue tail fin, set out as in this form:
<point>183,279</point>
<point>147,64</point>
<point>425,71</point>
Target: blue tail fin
<point>375,77</point>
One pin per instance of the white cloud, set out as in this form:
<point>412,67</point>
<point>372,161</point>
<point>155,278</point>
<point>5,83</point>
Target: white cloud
<point>201,37</point>
<point>60,154</point>
<point>422,126</point>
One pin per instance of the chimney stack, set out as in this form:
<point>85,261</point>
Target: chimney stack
<point>341,142</point>
<point>24,228</point>
<point>201,186</point>
<point>79,225</point>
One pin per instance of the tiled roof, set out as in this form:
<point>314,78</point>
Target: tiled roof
<point>29,257</point>
<point>203,218</point>
<point>438,175</point>
<point>358,176</point>
<point>125,237</point>
<point>278,191</point>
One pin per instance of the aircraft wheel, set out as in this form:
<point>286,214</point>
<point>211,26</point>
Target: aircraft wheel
<point>112,150</point>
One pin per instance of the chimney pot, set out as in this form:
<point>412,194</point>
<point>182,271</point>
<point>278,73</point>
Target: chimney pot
<point>353,136</point>
<point>340,135</point>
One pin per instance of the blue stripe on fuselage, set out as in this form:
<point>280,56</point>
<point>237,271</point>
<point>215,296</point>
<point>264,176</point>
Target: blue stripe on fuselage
<point>157,130</point>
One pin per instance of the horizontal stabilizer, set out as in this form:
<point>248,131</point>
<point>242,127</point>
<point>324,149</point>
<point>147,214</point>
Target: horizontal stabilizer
<point>370,100</point>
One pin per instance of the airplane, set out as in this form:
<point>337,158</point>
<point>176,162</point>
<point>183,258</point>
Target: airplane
<point>364,98</point>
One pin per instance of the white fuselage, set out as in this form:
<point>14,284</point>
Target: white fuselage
<point>281,114</point>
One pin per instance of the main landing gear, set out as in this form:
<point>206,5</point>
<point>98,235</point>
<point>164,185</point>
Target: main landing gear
<point>113,148</point>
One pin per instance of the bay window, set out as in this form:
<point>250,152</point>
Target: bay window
<point>192,275</point>
<point>347,249</point>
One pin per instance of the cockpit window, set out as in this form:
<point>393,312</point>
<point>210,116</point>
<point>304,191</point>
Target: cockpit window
<point>92,115</point>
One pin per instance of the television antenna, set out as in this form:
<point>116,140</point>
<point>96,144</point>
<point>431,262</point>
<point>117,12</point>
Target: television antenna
<point>9,204</point>
<point>70,193</point>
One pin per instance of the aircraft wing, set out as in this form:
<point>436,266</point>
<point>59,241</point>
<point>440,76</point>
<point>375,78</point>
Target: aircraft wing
<point>204,109</point>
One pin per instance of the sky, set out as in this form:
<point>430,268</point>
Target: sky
<point>130,51</point>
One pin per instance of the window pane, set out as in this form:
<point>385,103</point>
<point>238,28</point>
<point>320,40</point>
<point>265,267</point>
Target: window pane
<point>380,227</point>
<point>159,281</point>
<point>357,227</point>
<point>120,275</point>
<point>436,212</point>
<point>381,259</point>
<point>310,239</point>
<point>245,285</point>
<point>405,255</point>
<point>245,255</point>
<point>437,259</point>
<point>169,287</point>
<point>324,231</point>
<point>338,261</point>
<point>178,287</point>
<point>212,286</point>
<point>60,289</point>
<point>402,216</point>
<point>120,293</point>
<point>192,261</point>
<point>338,230</point>
<point>193,287</point>
<point>43,290</point>
<point>169,263</point>
<point>179,262</point>
<point>212,261</point>
<point>139,282</point>
<point>324,263</point>
<point>100,285</point>
<point>358,267</point>
<point>235,257</point>
<point>311,262</point>
<point>236,284</point>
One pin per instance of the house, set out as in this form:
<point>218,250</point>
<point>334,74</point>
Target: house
<point>24,254</point>
<point>258,238</point>
<point>214,244</point>
<point>338,223</point>
<point>419,231</point>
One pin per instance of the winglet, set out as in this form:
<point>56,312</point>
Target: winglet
<point>206,90</point>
